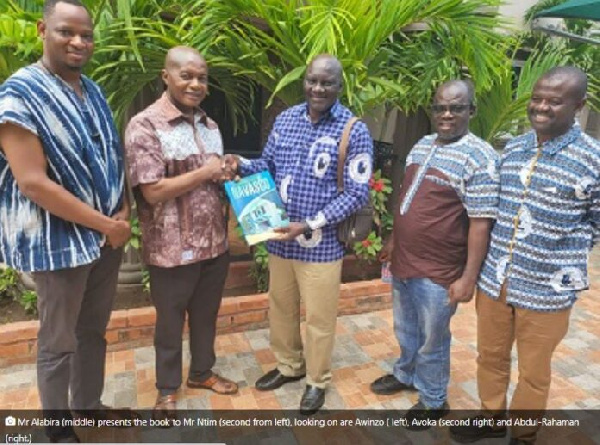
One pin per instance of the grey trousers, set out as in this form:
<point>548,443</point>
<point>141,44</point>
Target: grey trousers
<point>74,308</point>
<point>195,289</point>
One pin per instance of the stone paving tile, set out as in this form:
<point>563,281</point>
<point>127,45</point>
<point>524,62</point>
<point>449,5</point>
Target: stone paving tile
<point>365,349</point>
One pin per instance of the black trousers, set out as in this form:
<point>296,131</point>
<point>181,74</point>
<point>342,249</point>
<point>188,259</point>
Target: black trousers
<point>196,290</point>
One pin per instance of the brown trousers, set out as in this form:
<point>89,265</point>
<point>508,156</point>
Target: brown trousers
<point>318,284</point>
<point>537,335</point>
<point>195,289</point>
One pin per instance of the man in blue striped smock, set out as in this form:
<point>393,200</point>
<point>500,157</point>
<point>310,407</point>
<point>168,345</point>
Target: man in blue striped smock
<point>63,213</point>
<point>548,217</point>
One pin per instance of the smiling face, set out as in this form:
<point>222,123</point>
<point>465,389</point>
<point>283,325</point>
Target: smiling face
<point>322,85</point>
<point>68,36</point>
<point>451,111</point>
<point>553,106</point>
<point>186,78</point>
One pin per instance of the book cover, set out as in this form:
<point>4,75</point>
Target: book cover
<point>257,206</point>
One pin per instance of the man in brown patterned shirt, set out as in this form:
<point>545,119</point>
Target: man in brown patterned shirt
<point>174,153</point>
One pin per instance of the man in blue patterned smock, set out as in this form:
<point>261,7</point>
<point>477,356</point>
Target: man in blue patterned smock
<point>548,217</point>
<point>63,212</point>
<point>447,204</point>
<point>302,155</point>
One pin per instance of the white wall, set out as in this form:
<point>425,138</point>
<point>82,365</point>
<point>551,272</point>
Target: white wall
<point>514,10</point>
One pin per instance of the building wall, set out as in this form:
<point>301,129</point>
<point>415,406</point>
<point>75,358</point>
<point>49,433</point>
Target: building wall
<point>515,10</point>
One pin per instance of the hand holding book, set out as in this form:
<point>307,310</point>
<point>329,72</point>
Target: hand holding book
<point>257,206</point>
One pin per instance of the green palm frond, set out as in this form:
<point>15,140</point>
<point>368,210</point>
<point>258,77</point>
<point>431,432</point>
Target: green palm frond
<point>502,110</point>
<point>271,41</point>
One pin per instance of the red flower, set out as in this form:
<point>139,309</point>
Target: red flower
<point>378,186</point>
<point>366,243</point>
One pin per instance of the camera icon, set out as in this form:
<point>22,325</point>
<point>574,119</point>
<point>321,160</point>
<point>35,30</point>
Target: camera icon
<point>10,421</point>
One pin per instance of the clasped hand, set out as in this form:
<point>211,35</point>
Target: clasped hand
<point>222,168</point>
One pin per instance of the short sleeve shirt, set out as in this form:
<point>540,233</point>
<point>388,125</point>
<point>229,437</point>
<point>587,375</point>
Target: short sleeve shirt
<point>548,218</point>
<point>459,181</point>
<point>161,143</point>
<point>84,156</point>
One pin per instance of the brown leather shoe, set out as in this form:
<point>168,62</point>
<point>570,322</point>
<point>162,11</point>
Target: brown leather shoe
<point>165,410</point>
<point>215,383</point>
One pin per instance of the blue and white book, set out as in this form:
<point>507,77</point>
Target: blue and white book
<point>257,206</point>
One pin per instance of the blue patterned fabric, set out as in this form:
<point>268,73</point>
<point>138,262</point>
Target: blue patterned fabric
<point>84,156</point>
<point>557,201</point>
<point>469,164</point>
<point>302,157</point>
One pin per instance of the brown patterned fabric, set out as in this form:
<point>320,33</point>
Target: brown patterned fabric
<point>160,143</point>
<point>430,240</point>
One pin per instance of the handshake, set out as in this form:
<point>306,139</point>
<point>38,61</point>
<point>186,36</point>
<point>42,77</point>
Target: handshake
<point>222,168</point>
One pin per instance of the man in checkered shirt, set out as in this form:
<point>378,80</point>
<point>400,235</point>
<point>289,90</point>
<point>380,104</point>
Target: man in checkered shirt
<point>306,263</point>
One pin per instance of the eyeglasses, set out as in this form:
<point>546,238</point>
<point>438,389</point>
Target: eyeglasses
<point>453,108</point>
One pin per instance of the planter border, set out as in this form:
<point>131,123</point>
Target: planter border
<point>131,328</point>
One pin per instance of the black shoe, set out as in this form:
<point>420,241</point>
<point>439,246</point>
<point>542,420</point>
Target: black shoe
<point>388,384</point>
<point>67,439</point>
<point>273,380</point>
<point>479,427</point>
<point>515,441</point>
<point>312,399</point>
<point>420,418</point>
<point>57,433</point>
<point>104,412</point>
<point>62,434</point>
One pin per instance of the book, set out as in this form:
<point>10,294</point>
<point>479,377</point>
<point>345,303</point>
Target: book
<point>257,206</point>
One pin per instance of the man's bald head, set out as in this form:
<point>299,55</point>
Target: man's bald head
<point>322,85</point>
<point>556,99</point>
<point>465,85</point>
<point>179,55</point>
<point>572,76</point>
<point>328,61</point>
<point>186,77</point>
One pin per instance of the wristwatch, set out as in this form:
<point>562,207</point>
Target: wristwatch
<point>307,231</point>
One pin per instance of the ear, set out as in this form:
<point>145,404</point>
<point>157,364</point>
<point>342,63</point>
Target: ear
<point>41,29</point>
<point>581,104</point>
<point>164,75</point>
<point>472,111</point>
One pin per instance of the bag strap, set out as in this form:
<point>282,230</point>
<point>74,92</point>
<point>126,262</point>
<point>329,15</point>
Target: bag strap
<point>342,150</point>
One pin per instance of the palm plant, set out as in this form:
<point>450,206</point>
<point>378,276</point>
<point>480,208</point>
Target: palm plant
<point>271,41</point>
<point>584,55</point>
<point>502,110</point>
<point>133,39</point>
<point>19,44</point>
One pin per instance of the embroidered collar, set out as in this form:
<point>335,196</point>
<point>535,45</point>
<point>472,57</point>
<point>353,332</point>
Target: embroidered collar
<point>552,146</point>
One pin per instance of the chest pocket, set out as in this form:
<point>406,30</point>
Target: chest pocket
<point>322,158</point>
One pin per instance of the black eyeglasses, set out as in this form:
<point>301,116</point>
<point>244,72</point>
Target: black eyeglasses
<point>453,108</point>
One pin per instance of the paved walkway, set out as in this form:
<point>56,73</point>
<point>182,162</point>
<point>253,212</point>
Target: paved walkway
<point>365,348</point>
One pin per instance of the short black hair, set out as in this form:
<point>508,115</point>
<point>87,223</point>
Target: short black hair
<point>574,74</point>
<point>50,5</point>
